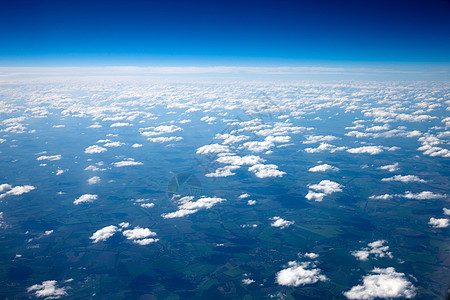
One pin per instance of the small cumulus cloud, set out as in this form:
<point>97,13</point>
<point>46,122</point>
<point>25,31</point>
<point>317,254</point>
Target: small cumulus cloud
<point>86,198</point>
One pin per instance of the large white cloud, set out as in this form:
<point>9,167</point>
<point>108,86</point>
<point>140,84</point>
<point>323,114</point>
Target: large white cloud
<point>439,223</point>
<point>48,289</point>
<point>103,234</point>
<point>297,274</point>
<point>265,171</point>
<point>383,283</point>
<point>15,191</point>
<point>86,198</point>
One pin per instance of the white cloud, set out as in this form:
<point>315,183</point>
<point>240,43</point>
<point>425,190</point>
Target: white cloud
<point>372,150</point>
<point>265,171</point>
<point>318,197</point>
<point>426,195</point>
<point>103,234</point>
<point>187,206</point>
<point>247,281</point>
<point>390,168</point>
<point>136,145</point>
<point>239,161</point>
<point>244,195</point>
<point>127,163</point>
<point>138,233</point>
<point>404,178</point>
<point>311,255</point>
<point>119,124</point>
<point>311,139</point>
<point>86,198</point>
<point>50,157</point>
<point>148,205</point>
<point>4,187</point>
<point>299,274</point>
<point>323,168</point>
<point>114,144</point>
<point>255,146</point>
<point>325,147</point>
<point>383,283</point>
<point>377,248</point>
<point>278,139</point>
<point>231,139</point>
<point>439,223</point>
<point>165,139</point>
<point>223,172</point>
<point>47,289</point>
<point>279,222</point>
<point>179,213</point>
<point>144,242</point>
<point>446,211</point>
<point>159,130</point>
<point>94,180</point>
<point>326,186</point>
<point>382,197</point>
<point>212,148</point>
<point>318,191</point>
<point>15,191</point>
<point>95,149</point>
<point>208,119</point>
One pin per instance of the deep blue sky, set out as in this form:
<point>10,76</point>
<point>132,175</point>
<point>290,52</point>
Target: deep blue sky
<point>127,32</point>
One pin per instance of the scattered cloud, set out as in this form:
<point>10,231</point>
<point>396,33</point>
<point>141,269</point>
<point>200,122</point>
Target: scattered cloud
<point>377,249</point>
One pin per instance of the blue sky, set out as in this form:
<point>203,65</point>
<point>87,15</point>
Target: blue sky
<point>251,33</point>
